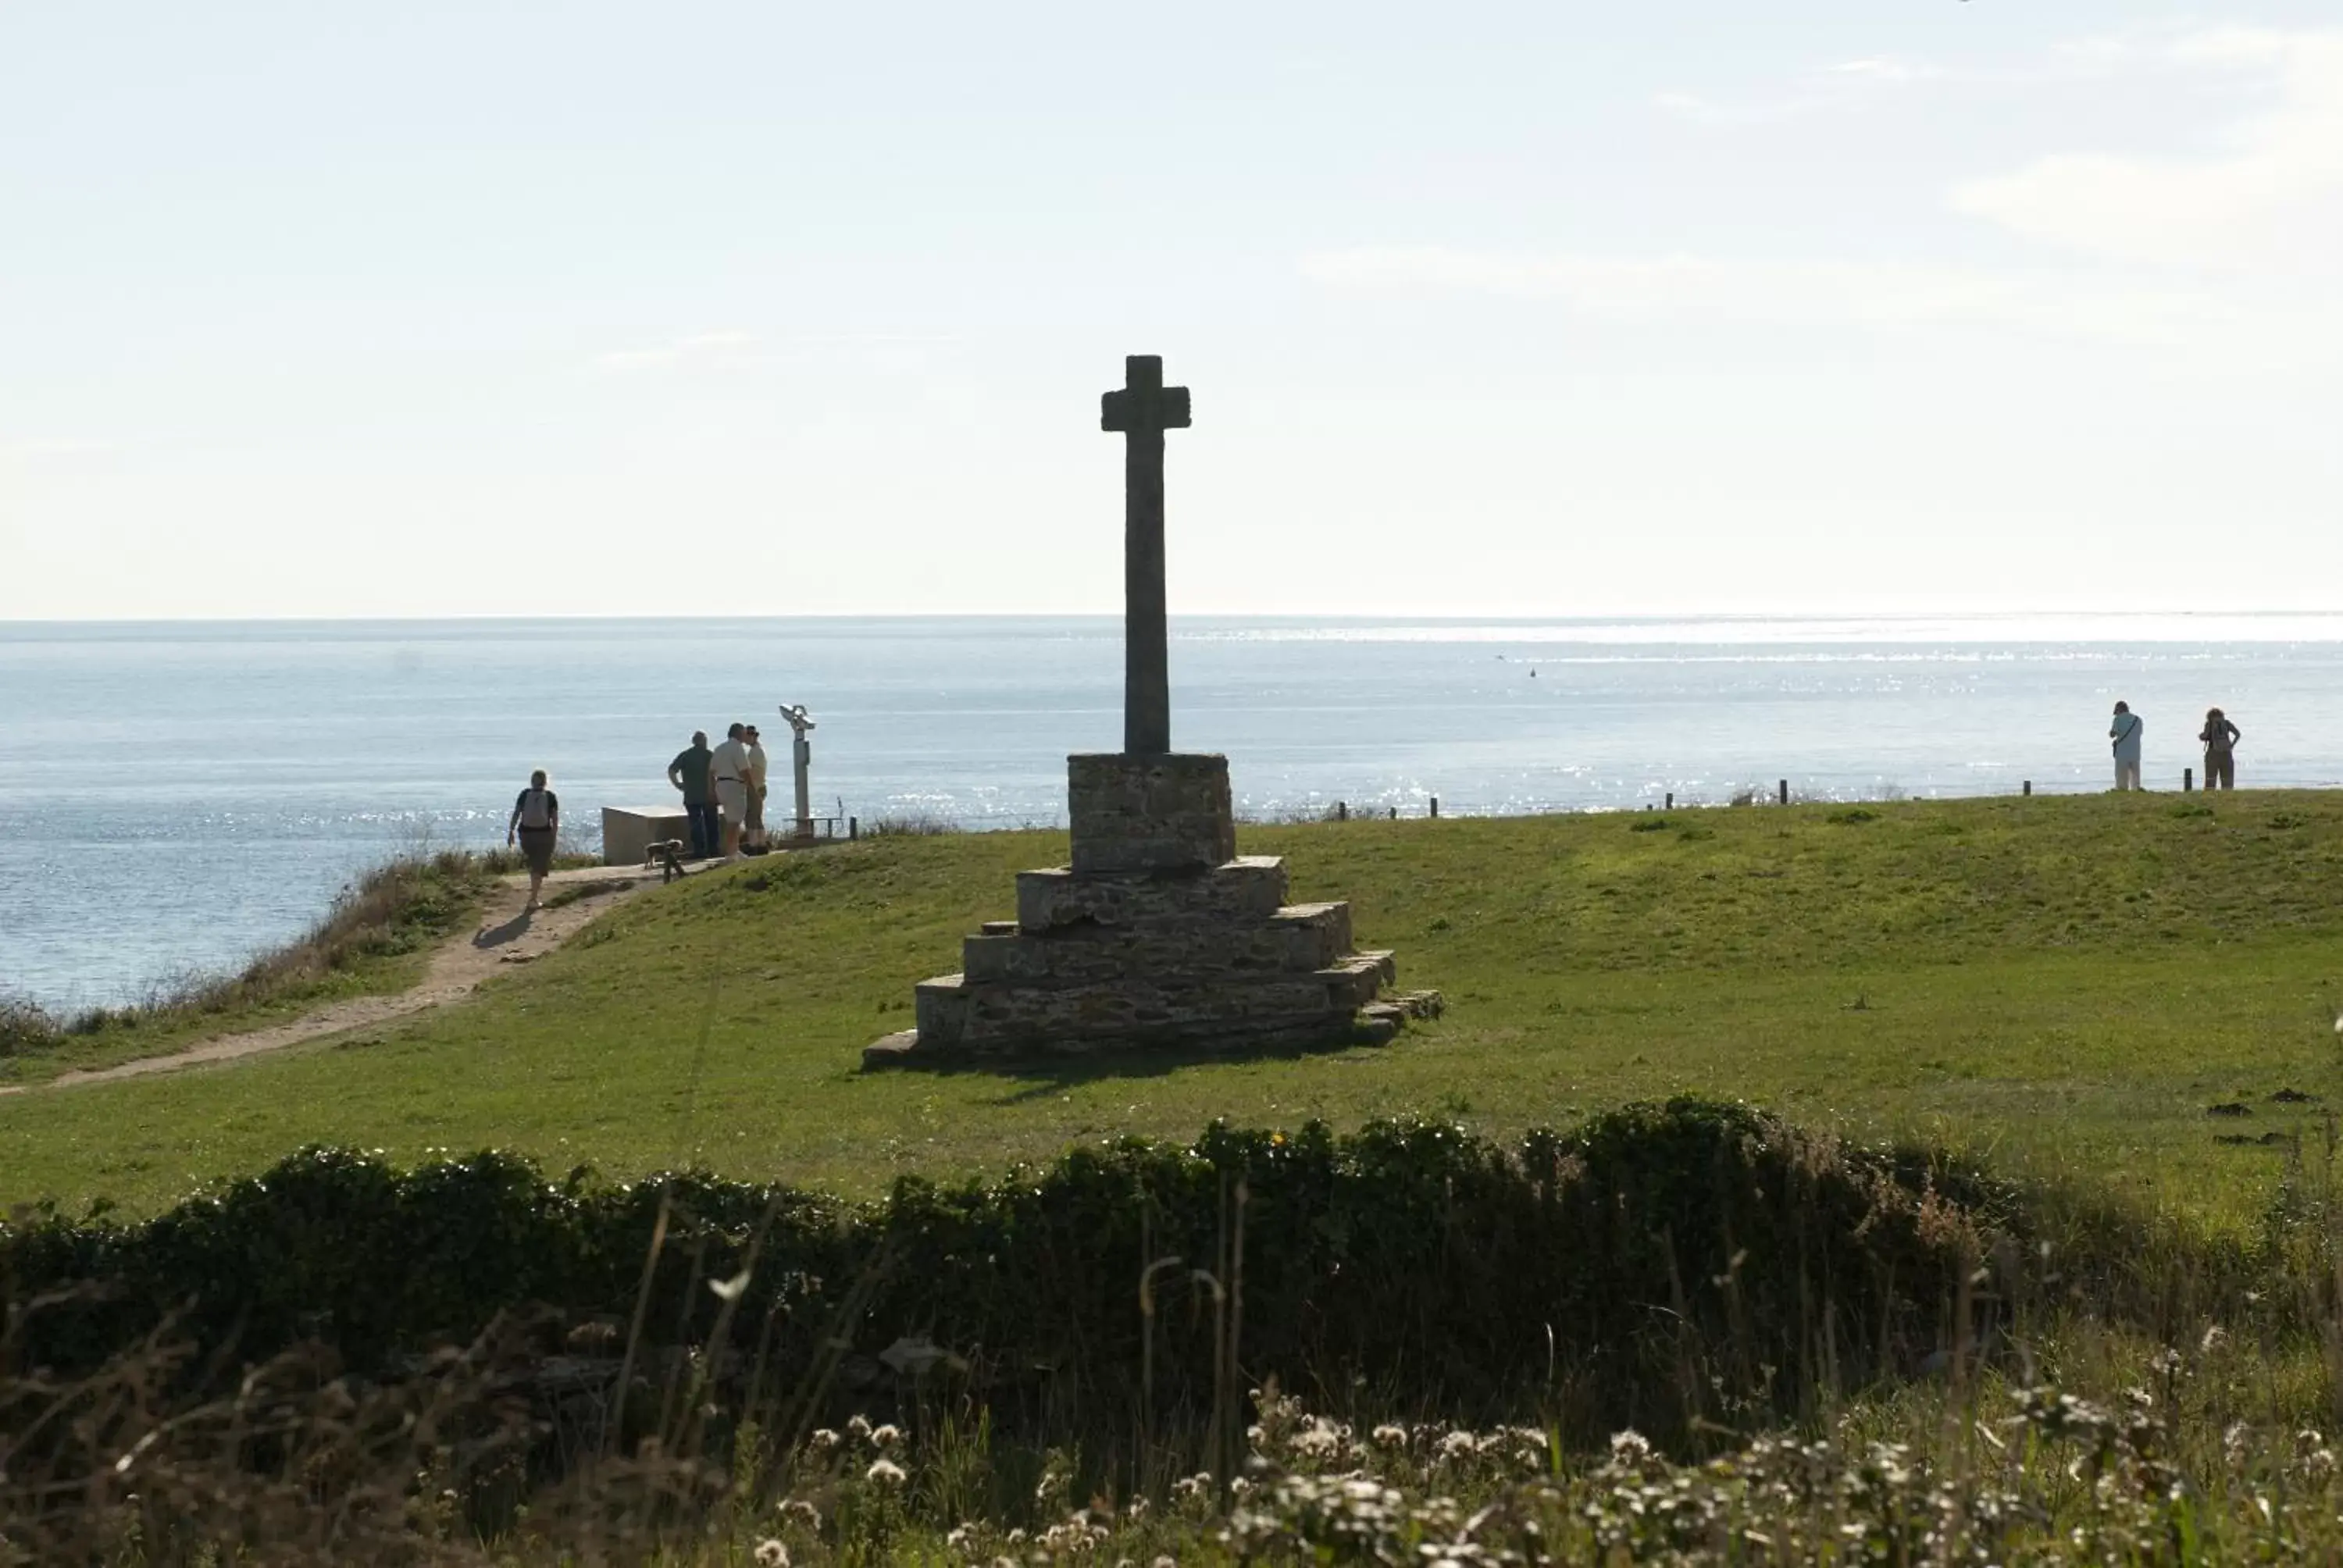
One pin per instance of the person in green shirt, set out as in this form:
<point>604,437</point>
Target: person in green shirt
<point>690,772</point>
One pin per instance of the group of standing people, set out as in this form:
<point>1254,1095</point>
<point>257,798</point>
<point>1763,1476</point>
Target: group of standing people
<point>2219,738</point>
<point>723,794</point>
<point>723,790</point>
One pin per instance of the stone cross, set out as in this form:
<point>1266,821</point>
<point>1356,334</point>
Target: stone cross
<point>1140,411</point>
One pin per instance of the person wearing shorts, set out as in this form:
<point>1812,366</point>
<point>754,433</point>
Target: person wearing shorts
<point>754,834</point>
<point>729,769</point>
<point>537,822</point>
<point>2220,737</point>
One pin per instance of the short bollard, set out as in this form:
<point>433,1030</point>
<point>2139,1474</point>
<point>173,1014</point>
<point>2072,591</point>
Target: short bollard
<point>2188,779</point>
<point>2026,788</point>
<point>1435,807</point>
<point>1672,801</point>
<point>1342,812</point>
<point>1785,791</point>
<point>853,828</point>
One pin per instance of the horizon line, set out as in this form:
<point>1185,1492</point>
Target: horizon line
<point>1425,618</point>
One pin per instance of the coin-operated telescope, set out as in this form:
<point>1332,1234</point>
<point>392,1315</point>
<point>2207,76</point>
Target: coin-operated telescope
<point>801,756</point>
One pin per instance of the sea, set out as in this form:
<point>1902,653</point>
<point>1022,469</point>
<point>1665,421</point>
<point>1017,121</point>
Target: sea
<point>175,797</point>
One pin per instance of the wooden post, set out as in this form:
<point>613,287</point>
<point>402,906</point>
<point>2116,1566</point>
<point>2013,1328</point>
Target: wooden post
<point>1435,807</point>
<point>2188,779</point>
<point>2026,788</point>
<point>853,828</point>
<point>1785,791</point>
<point>1394,813</point>
<point>1672,801</point>
<point>1342,810</point>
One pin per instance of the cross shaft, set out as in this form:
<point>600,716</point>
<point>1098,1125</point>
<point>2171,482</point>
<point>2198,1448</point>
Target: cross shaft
<point>1139,411</point>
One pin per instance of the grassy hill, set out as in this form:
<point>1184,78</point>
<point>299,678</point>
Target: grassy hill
<point>2068,984</point>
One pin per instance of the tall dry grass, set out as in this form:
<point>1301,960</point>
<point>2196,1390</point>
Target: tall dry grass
<point>397,908</point>
<point>2108,1389</point>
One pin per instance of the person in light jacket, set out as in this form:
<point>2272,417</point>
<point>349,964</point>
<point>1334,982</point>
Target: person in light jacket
<point>2125,732</point>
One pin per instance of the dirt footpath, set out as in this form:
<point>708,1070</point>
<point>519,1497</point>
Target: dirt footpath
<point>507,936</point>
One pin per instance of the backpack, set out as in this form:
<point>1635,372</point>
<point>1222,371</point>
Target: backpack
<point>537,807</point>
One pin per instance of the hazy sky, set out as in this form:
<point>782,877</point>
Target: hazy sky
<point>1542,307</point>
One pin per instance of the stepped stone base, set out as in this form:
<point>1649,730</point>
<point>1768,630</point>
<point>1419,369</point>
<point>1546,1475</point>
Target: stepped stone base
<point>1158,934</point>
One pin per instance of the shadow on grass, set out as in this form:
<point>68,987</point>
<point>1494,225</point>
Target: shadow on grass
<point>1041,1077</point>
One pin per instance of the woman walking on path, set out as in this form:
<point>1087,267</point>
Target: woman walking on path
<point>2220,737</point>
<point>2124,733</point>
<point>536,819</point>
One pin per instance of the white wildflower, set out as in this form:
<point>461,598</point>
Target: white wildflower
<point>771,1554</point>
<point>822,1441</point>
<point>884,1473</point>
<point>1390,1436</point>
<point>887,1436</point>
<point>1319,1440</point>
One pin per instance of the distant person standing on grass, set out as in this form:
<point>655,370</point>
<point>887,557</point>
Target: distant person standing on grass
<point>690,772</point>
<point>2220,737</point>
<point>537,820</point>
<point>732,787</point>
<point>2125,732</point>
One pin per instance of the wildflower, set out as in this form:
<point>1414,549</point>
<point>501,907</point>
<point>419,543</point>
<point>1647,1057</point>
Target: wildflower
<point>804,1512</point>
<point>1390,1436</point>
<point>1320,1440</point>
<point>887,1436</point>
<point>1458,1444</point>
<point>858,1428</point>
<point>884,1473</point>
<point>2216,1336</point>
<point>1630,1447</point>
<point>771,1554</point>
<point>822,1441</point>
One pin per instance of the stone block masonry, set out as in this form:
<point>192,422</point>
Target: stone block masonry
<point>1158,934</point>
<point>1152,813</point>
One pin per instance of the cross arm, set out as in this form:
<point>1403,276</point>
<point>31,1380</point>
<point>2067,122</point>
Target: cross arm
<point>1126,411</point>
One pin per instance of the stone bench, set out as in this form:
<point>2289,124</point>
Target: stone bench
<point>630,831</point>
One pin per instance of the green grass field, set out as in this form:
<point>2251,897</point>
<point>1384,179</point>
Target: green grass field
<point>2065,985</point>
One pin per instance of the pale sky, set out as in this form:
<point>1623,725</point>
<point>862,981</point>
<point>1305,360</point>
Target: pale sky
<point>1545,307</point>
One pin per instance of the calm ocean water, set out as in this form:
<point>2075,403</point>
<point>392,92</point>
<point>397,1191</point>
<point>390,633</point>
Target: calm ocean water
<point>173,798</point>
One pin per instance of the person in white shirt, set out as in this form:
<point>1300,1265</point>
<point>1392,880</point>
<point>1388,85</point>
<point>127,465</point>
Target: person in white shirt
<point>731,770</point>
<point>2125,732</point>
